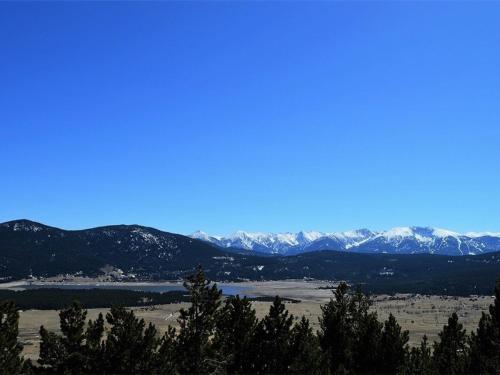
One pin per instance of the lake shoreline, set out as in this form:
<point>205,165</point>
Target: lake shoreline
<point>311,290</point>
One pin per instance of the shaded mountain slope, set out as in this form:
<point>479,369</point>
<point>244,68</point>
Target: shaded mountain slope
<point>31,248</point>
<point>28,248</point>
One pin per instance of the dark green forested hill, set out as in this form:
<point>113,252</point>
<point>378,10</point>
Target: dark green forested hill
<point>27,247</point>
<point>31,248</point>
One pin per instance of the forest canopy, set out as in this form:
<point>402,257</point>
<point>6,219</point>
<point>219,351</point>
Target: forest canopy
<point>218,335</point>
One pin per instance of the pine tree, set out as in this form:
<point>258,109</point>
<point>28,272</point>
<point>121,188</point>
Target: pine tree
<point>495,327</point>
<point>166,359</point>
<point>197,324</point>
<point>52,353</point>
<point>76,350</point>
<point>272,340</point>
<point>94,348</point>
<point>367,335</point>
<point>485,342</point>
<point>11,361</point>
<point>72,322</point>
<point>305,353</point>
<point>495,308</point>
<point>130,347</point>
<point>336,333</point>
<point>235,328</point>
<point>450,353</point>
<point>419,360</point>
<point>393,346</point>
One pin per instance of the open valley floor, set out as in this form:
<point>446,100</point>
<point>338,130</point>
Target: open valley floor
<point>421,315</point>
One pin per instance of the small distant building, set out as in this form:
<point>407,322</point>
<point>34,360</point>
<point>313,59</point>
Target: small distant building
<point>386,272</point>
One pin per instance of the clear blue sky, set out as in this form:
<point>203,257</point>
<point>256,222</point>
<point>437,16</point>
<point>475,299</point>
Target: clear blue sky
<point>258,116</point>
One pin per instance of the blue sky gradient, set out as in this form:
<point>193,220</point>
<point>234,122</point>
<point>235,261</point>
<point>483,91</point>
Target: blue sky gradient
<point>274,116</point>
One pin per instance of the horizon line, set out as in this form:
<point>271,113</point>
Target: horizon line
<point>450,232</point>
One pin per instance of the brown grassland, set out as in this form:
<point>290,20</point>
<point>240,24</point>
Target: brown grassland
<point>421,315</point>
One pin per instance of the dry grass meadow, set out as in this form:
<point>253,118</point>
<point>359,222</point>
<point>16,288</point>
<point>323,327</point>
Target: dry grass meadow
<point>418,314</point>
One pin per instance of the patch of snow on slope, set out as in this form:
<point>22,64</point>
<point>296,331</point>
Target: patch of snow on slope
<point>27,227</point>
<point>200,235</point>
<point>146,236</point>
<point>444,233</point>
<point>482,234</point>
<point>398,232</point>
<point>309,236</point>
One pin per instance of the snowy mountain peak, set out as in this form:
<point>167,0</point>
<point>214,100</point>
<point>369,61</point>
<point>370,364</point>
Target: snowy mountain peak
<point>444,233</point>
<point>398,232</point>
<point>482,234</point>
<point>200,235</point>
<point>403,240</point>
<point>309,236</point>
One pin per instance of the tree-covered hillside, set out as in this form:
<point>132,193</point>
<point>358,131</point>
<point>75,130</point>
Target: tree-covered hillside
<point>28,248</point>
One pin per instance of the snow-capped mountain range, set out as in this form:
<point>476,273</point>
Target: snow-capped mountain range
<point>402,240</point>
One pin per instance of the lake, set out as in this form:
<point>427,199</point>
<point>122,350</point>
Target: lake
<point>227,289</point>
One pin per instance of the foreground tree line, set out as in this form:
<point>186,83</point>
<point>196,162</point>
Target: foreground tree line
<point>224,336</point>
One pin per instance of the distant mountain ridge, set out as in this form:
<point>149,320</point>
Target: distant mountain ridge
<point>401,240</point>
<point>29,249</point>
